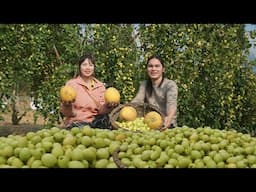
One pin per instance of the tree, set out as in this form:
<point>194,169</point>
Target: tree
<point>28,58</point>
<point>207,62</point>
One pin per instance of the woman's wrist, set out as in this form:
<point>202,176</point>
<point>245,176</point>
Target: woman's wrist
<point>168,121</point>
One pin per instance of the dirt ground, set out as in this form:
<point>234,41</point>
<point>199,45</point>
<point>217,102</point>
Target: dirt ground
<point>26,124</point>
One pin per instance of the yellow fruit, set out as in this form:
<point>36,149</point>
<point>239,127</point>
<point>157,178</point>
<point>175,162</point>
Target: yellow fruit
<point>128,113</point>
<point>153,120</point>
<point>67,93</point>
<point>120,137</point>
<point>112,95</point>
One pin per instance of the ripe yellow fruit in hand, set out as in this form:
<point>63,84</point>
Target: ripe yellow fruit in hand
<point>153,120</point>
<point>112,95</point>
<point>128,113</point>
<point>67,93</point>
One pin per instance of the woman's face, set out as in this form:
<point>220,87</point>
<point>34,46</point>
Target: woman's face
<point>87,68</point>
<point>155,69</point>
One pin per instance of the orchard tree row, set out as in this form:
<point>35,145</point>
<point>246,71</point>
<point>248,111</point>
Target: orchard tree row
<point>209,62</point>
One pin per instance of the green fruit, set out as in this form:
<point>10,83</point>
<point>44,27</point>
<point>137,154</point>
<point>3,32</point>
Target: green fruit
<point>152,164</point>
<point>35,139</point>
<point>102,163</point>
<point>138,150</point>
<point>194,154</point>
<point>124,147</point>
<point>86,130</point>
<point>173,162</point>
<point>89,154</point>
<point>217,158</point>
<point>211,164</point>
<point>54,130</point>
<point>101,134</point>
<point>241,164</point>
<point>86,141</point>
<point>13,143</point>
<point>58,137</point>
<point>36,164</point>
<point>112,165</point>
<point>111,135</point>
<point>5,166</point>
<point>249,150</point>
<point>102,153</point>
<point>113,146</point>
<point>183,162</point>
<point>99,142</point>
<point>137,162</point>
<point>199,164</point>
<point>121,155</point>
<point>168,166</point>
<point>10,159</point>
<point>231,165</point>
<point>145,156</point>
<point>68,153</point>
<point>164,144</point>
<point>152,141</point>
<point>126,161</point>
<point>17,163</point>
<point>30,161</point>
<point>69,140</point>
<point>37,153</point>
<point>57,151</point>
<point>48,139</point>
<point>251,159</point>
<point>22,142</point>
<point>63,161</point>
<point>75,130</point>
<point>86,163</point>
<point>155,155</point>
<point>30,135</point>
<point>77,154</point>
<point>25,154</point>
<point>7,151</point>
<point>49,160</point>
<point>162,160</point>
<point>75,164</point>
<point>47,145</point>
<point>2,160</point>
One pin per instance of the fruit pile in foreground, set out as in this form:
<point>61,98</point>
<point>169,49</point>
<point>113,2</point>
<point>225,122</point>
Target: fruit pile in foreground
<point>180,147</point>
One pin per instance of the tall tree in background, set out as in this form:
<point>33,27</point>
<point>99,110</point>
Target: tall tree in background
<point>29,56</point>
<point>208,62</point>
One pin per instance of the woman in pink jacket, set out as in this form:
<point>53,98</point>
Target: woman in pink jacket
<point>89,107</point>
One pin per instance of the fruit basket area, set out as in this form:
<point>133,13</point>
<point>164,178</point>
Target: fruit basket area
<point>141,108</point>
<point>116,159</point>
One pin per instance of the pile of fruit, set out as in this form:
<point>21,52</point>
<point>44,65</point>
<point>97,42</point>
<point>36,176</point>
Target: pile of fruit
<point>129,120</point>
<point>181,147</point>
<point>136,125</point>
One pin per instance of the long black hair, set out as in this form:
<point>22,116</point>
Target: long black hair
<point>149,86</point>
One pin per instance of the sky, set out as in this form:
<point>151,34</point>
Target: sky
<point>249,27</point>
<point>252,50</point>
